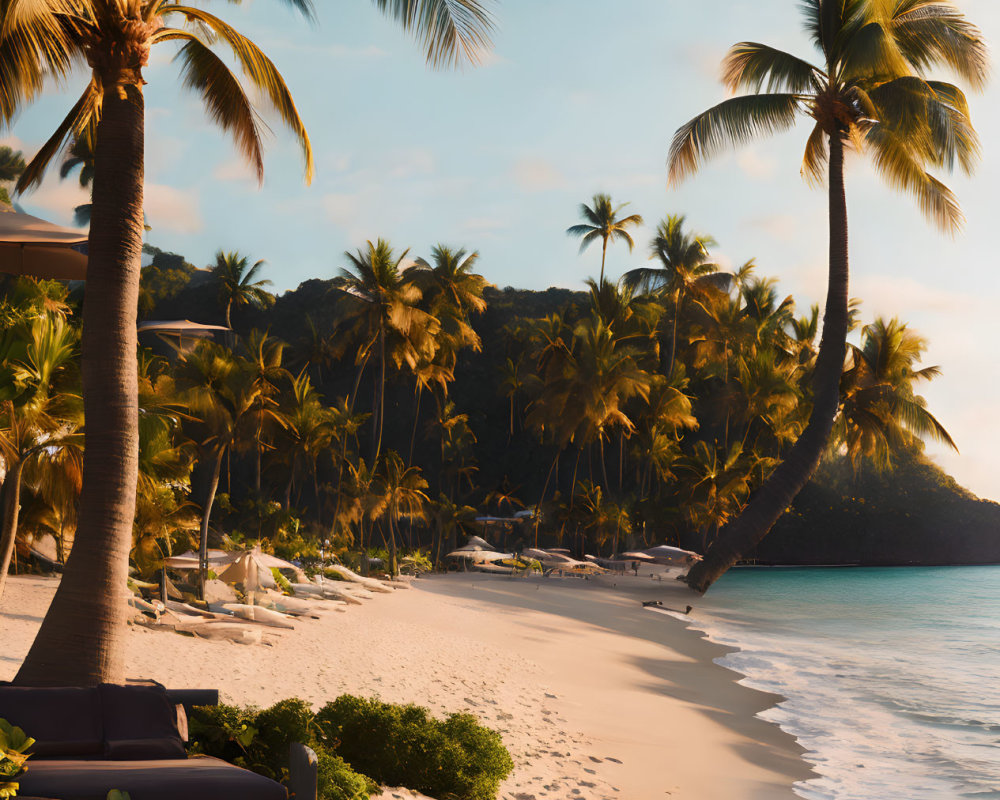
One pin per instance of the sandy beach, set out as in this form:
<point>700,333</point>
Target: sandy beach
<point>595,696</point>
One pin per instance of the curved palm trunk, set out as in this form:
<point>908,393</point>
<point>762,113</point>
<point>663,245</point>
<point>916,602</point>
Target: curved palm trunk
<point>604,253</point>
<point>780,489</point>
<point>11,503</point>
<point>81,640</point>
<point>206,515</point>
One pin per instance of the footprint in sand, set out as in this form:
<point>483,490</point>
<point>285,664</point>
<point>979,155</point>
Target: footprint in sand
<point>612,760</point>
<point>595,759</point>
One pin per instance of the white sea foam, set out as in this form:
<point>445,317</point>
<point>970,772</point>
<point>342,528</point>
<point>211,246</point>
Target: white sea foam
<point>892,677</point>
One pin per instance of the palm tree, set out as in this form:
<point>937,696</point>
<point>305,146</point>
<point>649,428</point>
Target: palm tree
<point>601,222</point>
<point>221,392</point>
<point>403,488</point>
<point>237,285</point>
<point>870,93</point>
<point>380,308</point>
<point>81,639</point>
<point>11,166</point>
<point>36,416</point>
<point>684,271</point>
<point>881,412</point>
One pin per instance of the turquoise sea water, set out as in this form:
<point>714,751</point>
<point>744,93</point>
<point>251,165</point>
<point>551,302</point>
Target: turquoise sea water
<point>892,675</point>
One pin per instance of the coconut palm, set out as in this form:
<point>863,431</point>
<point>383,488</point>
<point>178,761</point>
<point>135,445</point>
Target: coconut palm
<point>684,270</point>
<point>403,488</point>
<point>881,413</point>
<point>380,312</point>
<point>220,392</point>
<point>36,415</point>
<point>80,640</point>
<point>237,283</point>
<point>870,93</point>
<point>601,222</point>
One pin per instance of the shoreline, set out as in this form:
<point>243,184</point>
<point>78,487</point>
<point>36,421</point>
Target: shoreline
<point>595,696</point>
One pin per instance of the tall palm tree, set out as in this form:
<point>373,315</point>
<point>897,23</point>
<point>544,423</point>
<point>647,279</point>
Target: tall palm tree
<point>380,310</point>
<point>237,283</point>
<point>684,270</point>
<point>870,93</point>
<point>601,222</point>
<point>221,392</point>
<point>81,639</point>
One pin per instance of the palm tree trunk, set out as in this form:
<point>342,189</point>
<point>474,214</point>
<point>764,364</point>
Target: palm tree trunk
<point>11,503</point>
<point>604,253</point>
<point>416,416</point>
<point>780,489</point>
<point>380,409</point>
<point>604,465</point>
<point>82,638</point>
<point>206,515</point>
<point>229,306</point>
<point>669,371</point>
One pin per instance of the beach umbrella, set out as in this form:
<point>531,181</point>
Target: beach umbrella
<point>638,555</point>
<point>32,246</point>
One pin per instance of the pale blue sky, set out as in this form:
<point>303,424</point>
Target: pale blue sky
<point>578,97</point>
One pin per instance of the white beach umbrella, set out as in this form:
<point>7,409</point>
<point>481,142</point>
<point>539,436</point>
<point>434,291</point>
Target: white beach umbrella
<point>32,246</point>
<point>638,555</point>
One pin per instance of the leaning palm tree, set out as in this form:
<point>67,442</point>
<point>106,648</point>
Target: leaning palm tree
<point>81,639</point>
<point>237,283</point>
<point>601,222</point>
<point>871,93</point>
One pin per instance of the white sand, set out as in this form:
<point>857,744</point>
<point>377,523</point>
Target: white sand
<point>595,696</point>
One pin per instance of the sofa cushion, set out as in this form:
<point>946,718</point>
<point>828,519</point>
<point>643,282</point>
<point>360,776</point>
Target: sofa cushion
<point>63,721</point>
<point>139,723</point>
<point>189,779</point>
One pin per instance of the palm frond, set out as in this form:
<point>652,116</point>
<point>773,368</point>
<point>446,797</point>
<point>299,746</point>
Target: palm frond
<point>872,53</point>
<point>753,66</point>
<point>262,73</point>
<point>816,156</point>
<point>228,105</point>
<point>81,116</point>
<point>932,33</point>
<point>452,32</point>
<point>733,121</point>
<point>895,160</point>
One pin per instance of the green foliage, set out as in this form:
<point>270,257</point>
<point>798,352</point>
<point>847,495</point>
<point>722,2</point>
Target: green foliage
<point>404,746</point>
<point>13,746</point>
<point>415,563</point>
<point>259,741</point>
<point>115,794</point>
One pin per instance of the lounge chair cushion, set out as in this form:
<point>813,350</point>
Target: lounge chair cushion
<point>188,779</point>
<point>140,723</point>
<point>63,721</point>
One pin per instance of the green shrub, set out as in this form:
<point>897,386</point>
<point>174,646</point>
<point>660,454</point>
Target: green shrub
<point>457,759</point>
<point>259,741</point>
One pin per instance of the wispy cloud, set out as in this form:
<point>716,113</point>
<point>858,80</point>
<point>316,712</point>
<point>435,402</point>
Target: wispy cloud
<point>537,175</point>
<point>171,209</point>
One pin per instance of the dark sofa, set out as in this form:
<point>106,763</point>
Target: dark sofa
<point>131,738</point>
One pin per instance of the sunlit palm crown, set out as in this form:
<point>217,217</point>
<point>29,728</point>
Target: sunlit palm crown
<point>602,223</point>
<point>49,39</point>
<point>871,92</point>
